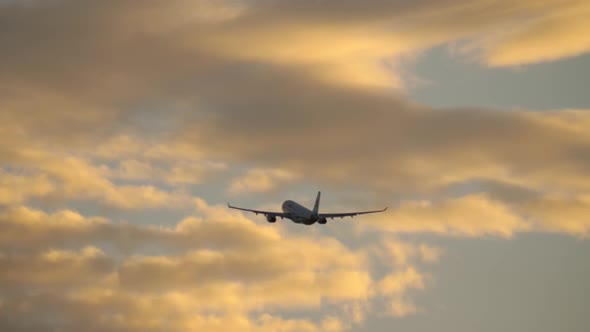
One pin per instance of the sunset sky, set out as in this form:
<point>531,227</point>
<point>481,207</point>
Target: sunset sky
<point>126,126</point>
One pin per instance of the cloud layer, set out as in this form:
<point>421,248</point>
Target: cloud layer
<point>112,108</point>
<point>212,271</point>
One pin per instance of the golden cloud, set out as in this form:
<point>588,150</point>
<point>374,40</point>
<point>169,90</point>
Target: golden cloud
<point>401,253</point>
<point>69,142</point>
<point>260,180</point>
<point>473,215</point>
<point>556,34</point>
<point>110,104</point>
<point>560,213</point>
<point>206,285</point>
<point>16,189</point>
<point>481,215</point>
<point>404,146</point>
<point>55,269</point>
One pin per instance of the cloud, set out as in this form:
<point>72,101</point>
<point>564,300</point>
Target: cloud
<point>407,147</point>
<point>429,254</point>
<point>159,58</point>
<point>107,104</point>
<point>358,44</point>
<point>27,229</point>
<point>180,172</point>
<point>394,285</point>
<point>37,171</point>
<point>473,215</point>
<point>558,213</point>
<point>250,279</point>
<point>404,148</point>
<point>260,180</point>
<point>401,253</point>
<point>399,282</point>
<point>124,129</point>
<point>555,34</point>
<point>79,179</point>
<point>54,269</point>
<point>480,215</point>
<point>15,189</point>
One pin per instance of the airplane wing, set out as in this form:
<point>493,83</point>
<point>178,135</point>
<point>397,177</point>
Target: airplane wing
<point>266,213</point>
<point>348,214</point>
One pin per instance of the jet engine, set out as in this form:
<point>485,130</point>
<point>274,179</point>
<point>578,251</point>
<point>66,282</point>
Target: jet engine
<point>322,221</point>
<point>271,218</point>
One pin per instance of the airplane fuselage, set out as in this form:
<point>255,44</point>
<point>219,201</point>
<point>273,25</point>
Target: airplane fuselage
<point>298,213</point>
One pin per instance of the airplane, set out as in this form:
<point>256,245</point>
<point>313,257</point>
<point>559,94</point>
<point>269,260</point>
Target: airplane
<point>299,214</point>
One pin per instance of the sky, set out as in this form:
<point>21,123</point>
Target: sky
<point>126,126</point>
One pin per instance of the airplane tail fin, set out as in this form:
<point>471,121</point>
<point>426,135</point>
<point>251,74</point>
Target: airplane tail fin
<point>316,206</point>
